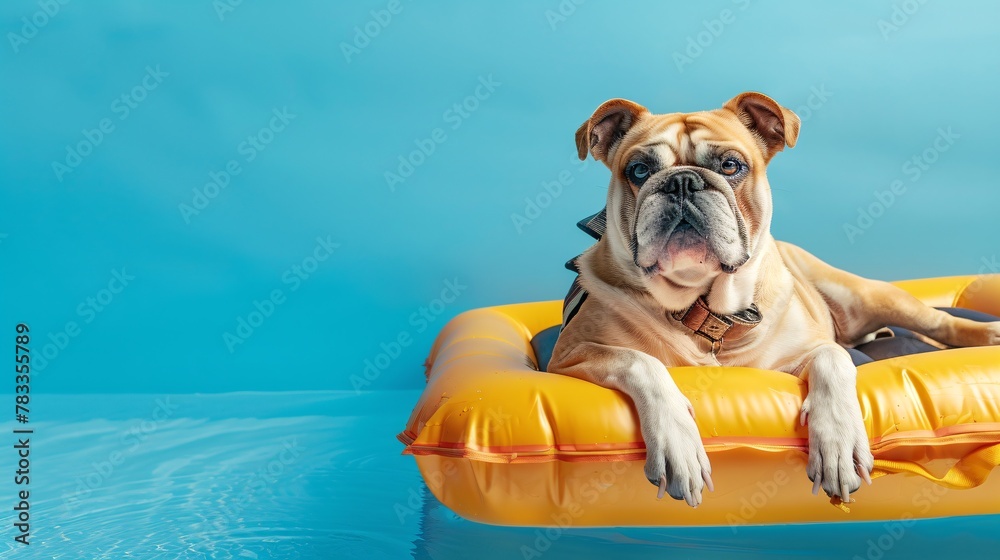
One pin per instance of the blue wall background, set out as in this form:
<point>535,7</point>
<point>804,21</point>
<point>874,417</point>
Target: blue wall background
<point>873,81</point>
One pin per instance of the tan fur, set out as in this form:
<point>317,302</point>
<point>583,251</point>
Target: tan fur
<point>624,336</point>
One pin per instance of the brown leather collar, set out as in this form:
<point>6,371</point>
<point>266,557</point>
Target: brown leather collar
<point>716,328</point>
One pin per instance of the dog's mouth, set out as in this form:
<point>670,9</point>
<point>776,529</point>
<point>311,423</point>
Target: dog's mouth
<point>685,249</point>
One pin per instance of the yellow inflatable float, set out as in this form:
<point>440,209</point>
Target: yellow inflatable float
<point>500,442</point>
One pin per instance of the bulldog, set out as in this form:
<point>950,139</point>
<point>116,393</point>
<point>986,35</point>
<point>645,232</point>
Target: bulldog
<point>687,273</point>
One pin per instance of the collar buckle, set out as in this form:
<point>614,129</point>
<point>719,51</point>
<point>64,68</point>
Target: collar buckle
<point>715,327</point>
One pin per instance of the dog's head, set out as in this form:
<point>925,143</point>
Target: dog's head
<point>689,200</point>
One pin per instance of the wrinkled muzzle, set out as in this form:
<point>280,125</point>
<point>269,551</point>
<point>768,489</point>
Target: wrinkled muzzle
<point>688,211</point>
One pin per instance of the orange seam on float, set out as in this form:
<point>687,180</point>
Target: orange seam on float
<point>578,458</point>
<point>541,456</point>
<point>611,447</point>
<point>504,454</point>
<point>516,458</point>
<point>958,429</point>
<point>990,436</point>
<point>770,448</point>
<point>533,448</point>
<point>501,449</point>
<point>485,457</point>
<point>586,447</point>
<point>948,435</point>
<point>750,441</point>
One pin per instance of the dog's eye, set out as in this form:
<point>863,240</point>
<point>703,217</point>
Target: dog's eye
<point>731,166</point>
<point>637,172</point>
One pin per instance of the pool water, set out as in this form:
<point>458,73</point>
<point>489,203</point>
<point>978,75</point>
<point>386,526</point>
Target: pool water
<point>320,475</point>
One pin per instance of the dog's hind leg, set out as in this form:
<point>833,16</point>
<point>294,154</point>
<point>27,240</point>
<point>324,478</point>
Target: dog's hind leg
<point>861,306</point>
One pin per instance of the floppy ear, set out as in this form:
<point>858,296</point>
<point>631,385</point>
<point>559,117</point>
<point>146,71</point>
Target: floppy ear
<point>606,127</point>
<point>774,125</point>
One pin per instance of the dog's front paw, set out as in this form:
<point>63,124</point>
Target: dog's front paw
<point>675,456</point>
<point>839,454</point>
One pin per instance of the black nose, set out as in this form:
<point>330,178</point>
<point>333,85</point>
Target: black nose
<point>684,183</point>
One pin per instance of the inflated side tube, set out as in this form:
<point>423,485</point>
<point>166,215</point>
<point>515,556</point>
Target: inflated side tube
<point>500,442</point>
